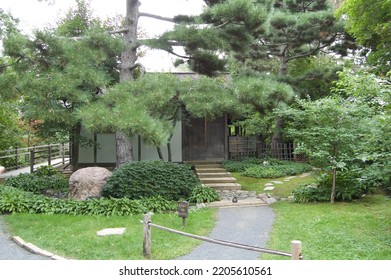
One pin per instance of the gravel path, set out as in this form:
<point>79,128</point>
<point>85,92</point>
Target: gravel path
<point>9,250</point>
<point>244,225</point>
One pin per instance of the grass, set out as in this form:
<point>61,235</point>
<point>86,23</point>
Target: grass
<point>75,236</point>
<point>283,190</point>
<point>359,230</point>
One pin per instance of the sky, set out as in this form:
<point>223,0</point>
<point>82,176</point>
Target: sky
<point>38,14</point>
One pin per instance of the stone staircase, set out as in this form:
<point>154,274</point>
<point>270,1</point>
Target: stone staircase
<point>215,176</point>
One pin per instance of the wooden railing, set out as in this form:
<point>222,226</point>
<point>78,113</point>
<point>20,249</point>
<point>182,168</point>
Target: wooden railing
<point>53,154</point>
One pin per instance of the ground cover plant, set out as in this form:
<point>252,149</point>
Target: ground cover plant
<point>358,230</point>
<point>42,180</point>
<point>75,236</point>
<point>266,168</point>
<point>135,180</point>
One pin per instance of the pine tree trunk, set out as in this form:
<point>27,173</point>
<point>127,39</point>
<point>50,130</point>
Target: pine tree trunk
<point>279,122</point>
<point>124,148</point>
<point>128,60</point>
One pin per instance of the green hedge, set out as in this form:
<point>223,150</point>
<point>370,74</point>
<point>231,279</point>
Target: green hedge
<point>135,180</point>
<point>13,200</point>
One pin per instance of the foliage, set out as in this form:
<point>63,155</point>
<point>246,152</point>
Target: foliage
<point>275,171</point>
<point>266,168</point>
<point>201,194</point>
<point>38,182</point>
<point>9,128</point>
<point>370,24</point>
<point>53,75</point>
<point>351,185</point>
<point>241,165</point>
<point>135,180</point>
<point>330,131</point>
<point>13,200</point>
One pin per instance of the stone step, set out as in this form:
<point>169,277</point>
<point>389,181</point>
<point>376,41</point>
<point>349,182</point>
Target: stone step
<point>217,180</point>
<point>214,175</point>
<point>224,186</point>
<point>209,170</point>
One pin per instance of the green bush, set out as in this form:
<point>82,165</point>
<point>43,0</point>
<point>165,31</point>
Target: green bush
<point>241,165</point>
<point>276,169</point>
<point>266,168</point>
<point>38,183</point>
<point>349,186</point>
<point>201,194</point>
<point>304,194</point>
<point>136,180</point>
<point>14,200</point>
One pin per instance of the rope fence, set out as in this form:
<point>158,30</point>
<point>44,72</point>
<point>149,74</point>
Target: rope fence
<point>295,253</point>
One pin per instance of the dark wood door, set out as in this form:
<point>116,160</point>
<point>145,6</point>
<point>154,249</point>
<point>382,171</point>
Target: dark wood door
<point>204,139</point>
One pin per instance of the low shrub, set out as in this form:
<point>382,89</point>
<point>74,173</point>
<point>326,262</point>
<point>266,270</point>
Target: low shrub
<point>203,194</point>
<point>310,193</point>
<point>349,186</point>
<point>276,169</point>
<point>136,180</point>
<point>241,165</point>
<point>14,200</point>
<point>38,183</point>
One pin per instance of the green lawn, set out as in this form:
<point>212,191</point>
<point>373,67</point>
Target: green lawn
<point>283,190</point>
<point>75,236</point>
<point>359,230</point>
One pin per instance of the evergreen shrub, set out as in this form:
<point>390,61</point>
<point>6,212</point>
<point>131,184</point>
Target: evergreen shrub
<point>135,180</point>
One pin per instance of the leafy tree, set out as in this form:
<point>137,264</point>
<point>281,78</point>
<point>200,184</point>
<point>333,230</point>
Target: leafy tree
<point>369,22</point>
<point>330,131</point>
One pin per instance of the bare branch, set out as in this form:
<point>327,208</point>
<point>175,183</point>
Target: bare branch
<point>156,17</point>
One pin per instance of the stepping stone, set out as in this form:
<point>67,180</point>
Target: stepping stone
<point>269,184</point>
<point>287,180</point>
<point>111,231</point>
<point>269,188</point>
<point>277,182</point>
<point>290,178</point>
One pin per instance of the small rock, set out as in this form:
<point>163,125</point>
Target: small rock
<point>269,188</point>
<point>271,200</point>
<point>111,231</point>
<point>269,184</point>
<point>200,205</point>
<point>2,169</point>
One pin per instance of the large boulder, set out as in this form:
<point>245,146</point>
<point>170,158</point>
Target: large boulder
<point>87,182</point>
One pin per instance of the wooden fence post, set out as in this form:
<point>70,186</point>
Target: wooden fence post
<point>296,249</point>
<point>49,155</point>
<point>17,156</point>
<point>32,159</point>
<point>147,236</point>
